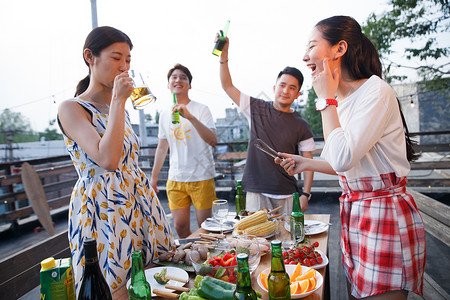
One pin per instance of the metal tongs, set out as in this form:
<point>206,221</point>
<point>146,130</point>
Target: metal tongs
<point>261,145</point>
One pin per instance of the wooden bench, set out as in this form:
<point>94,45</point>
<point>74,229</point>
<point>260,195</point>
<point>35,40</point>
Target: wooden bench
<point>57,180</point>
<point>436,219</point>
<point>20,272</point>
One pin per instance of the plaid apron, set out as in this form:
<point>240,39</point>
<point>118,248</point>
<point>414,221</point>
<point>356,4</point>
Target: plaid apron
<point>382,237</point>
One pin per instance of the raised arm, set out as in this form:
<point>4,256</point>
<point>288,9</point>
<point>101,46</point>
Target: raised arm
<point>225,76</point>
<point>106,151</point>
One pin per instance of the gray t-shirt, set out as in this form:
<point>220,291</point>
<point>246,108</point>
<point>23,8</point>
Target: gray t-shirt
<point>283,132</point>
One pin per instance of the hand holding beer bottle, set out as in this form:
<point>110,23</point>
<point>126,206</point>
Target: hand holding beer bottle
<point>221,40</point>
<point>176,113</point>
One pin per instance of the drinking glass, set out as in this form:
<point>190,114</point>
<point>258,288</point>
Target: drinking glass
<point>141,95</point>
<point>220,212</point>
<point>277,228</point>
<point>289,243</point>
<point>249,245</point>
<point>296,229</point>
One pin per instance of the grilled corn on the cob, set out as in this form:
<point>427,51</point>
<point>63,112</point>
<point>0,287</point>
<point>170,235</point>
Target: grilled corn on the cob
<point>262,229</point>
<point>257,218</point>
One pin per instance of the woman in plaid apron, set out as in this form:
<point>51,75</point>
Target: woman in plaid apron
<point>382,237</point>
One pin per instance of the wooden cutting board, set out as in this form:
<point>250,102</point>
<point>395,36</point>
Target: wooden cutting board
<point>36,195</point>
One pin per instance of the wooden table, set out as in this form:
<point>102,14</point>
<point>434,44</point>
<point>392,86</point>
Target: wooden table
<point>122,294</point>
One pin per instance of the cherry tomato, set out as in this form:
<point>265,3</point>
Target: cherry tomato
<point>293,263</point>
<point>287,261</point>
<point>316,244</point>
<point>320,260</point>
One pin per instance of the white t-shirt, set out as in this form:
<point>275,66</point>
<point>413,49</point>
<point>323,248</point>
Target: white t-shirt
<point>371,140</point>
<point>191,158</point>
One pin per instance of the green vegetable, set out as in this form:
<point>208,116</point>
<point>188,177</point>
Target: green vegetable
<point>197,281</point>
<point>193,294</point>
<point>161,277</point>
<point>186,296</point>
<point>220,273</point>
<point>216,289</point>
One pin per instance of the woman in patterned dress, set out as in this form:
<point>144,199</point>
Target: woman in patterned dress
<point>382,237</point>
<point>112,200</point>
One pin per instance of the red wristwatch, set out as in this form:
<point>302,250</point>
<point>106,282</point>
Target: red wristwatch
<point>323,103</point>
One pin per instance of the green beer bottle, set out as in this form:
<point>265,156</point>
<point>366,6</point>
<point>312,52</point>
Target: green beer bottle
<point>221,42</point>
<point>240,199</point>
<point>279,284</point>
<point>139,288</point>
<point>297,222</point>
<point>175,114</point>
<point>244,290</point>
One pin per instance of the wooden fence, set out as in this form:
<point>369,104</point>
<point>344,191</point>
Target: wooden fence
<point>58,176</point>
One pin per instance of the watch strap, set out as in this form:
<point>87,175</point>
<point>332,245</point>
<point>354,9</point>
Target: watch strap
<point>332,102</point>
<point>328,102</point>
<point>307,195</point>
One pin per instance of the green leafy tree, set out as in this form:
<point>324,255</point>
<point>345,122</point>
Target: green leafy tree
<point>311,115</point>
<point>14,127</point>
<point>148,117</point>
<point>422,22</point>
<point>51,134</point>
<point>157,117</point>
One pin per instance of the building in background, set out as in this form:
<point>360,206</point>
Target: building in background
<point>425,111</point>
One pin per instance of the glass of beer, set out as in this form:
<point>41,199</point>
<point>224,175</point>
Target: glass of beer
<point>141,95</point>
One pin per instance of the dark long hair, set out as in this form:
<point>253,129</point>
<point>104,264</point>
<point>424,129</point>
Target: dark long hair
<point>361,59</point>
<point>97,40</point>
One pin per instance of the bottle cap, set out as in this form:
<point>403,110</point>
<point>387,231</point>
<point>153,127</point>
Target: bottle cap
<point>276,242</point>
<point>48,263</point>
<point>242,256</point>
<point>136,253</point>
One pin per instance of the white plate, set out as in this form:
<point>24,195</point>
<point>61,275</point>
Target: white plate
<point>324,262</point>
<point>318,227</point>
<point>290,269</point>
<point>226,227</point>
<point>177,272</point>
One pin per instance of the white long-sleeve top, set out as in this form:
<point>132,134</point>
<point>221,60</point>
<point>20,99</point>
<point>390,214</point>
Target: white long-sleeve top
<point>371,139</point>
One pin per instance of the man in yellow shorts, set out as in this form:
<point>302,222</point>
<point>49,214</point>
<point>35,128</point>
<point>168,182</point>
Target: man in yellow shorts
<point>191,162</point>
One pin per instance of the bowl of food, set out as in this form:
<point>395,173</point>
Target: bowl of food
<point>303,280</point>
<point>220,264</point>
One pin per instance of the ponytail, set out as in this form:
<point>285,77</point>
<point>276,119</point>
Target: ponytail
<point>82,85</point>
<point>411,155</point>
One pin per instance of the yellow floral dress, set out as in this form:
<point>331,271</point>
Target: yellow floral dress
<point>118,208</point>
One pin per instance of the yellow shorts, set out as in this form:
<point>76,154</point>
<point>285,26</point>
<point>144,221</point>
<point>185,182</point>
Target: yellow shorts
<point>200,193</point>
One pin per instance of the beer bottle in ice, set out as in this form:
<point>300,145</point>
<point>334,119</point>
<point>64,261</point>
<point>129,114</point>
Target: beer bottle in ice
<point>278,280</point>
<point>244,290</point>
<point>139,288</point>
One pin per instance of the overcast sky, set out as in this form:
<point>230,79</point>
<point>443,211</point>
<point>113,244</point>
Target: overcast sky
<point>42,41</point>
